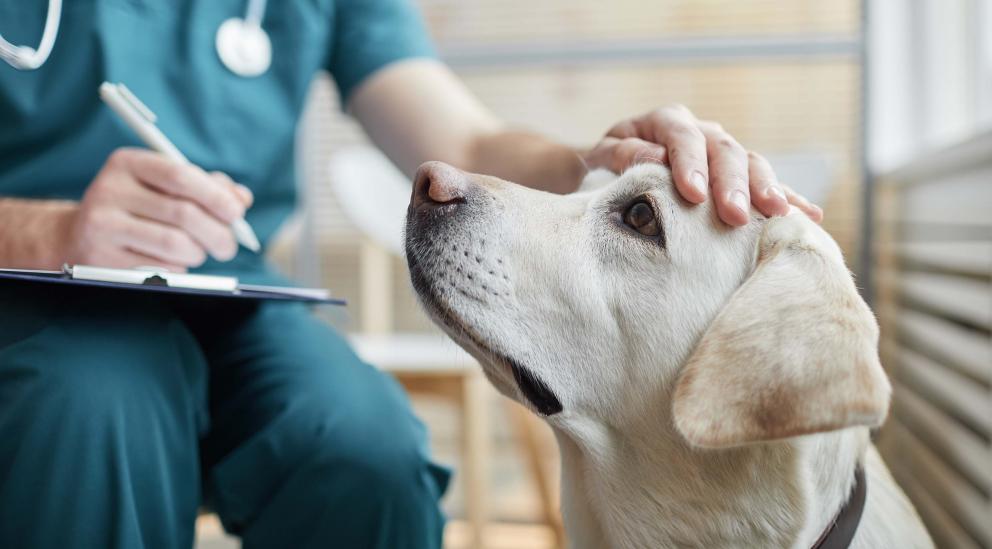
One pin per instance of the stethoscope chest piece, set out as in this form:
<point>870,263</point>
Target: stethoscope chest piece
<point>243,47</point>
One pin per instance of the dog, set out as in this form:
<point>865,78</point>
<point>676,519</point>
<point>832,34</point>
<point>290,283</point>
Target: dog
<point>708,386</point>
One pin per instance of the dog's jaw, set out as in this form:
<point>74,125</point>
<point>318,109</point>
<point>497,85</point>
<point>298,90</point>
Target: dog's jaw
<point>496,364</point>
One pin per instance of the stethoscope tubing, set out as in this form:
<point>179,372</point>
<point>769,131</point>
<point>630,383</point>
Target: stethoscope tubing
<point>27,58</point>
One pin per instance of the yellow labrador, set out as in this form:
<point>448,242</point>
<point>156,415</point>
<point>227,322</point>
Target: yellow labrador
<point>708,386</point>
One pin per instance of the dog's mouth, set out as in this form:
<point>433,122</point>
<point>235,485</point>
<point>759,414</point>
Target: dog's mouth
<point>541,397</point>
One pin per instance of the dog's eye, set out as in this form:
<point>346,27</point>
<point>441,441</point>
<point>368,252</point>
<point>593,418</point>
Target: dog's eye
<point>640,217</point>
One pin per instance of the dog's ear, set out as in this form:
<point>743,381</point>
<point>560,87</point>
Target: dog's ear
<point>793,352</point>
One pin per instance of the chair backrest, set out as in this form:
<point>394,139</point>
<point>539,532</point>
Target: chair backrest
<point>373,194</point>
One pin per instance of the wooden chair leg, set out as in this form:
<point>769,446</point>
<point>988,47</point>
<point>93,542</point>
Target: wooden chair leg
<point>527,429</point>
<point>476,441</point>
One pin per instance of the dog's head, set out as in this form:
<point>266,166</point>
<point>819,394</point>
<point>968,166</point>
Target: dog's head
<point>605,305</point>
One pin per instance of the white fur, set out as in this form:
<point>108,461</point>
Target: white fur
<point>611,322</point>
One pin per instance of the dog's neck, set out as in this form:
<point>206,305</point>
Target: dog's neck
<point>645,487</point>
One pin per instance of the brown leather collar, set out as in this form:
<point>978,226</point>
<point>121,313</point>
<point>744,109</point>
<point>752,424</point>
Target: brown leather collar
<point>841,530</point>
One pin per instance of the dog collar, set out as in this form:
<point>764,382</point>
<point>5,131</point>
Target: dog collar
<point>840,531</point>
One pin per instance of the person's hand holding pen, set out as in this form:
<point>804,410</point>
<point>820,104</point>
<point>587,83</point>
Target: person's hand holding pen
<point>144,209</point>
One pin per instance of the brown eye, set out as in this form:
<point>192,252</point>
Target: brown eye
<point>640,217</point>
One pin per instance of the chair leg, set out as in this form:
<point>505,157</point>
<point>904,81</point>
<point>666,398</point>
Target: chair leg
<point>526,427</point>
<point>476,440</point>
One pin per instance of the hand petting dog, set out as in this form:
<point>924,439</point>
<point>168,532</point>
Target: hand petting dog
<point>704,158</point>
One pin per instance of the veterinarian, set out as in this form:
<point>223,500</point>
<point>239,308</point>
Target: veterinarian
<point>120,416</point>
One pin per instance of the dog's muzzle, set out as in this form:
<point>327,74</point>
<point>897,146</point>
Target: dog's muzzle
<point>450,216</point>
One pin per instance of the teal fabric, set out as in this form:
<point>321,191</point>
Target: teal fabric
<point>120,415</point>
<point>55,133</point>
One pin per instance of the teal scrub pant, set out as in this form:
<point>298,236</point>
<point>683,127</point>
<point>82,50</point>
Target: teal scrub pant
<point>121,414</point>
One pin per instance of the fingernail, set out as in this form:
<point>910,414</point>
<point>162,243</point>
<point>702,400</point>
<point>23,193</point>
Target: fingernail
<point>776,192</point>
<point>739,200</point>
<point>698,181</point>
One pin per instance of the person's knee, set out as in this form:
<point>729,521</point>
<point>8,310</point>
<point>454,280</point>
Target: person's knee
<point>378,445</point>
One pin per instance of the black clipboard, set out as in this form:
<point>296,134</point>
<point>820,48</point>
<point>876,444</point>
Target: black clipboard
<point>157,281</point>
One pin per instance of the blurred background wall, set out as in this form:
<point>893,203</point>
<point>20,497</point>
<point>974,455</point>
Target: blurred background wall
<point>930,155</point>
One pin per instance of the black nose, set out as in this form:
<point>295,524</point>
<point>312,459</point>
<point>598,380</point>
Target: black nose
<point>437,183</point>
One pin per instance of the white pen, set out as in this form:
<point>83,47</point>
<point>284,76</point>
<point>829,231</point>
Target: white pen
<point>142,120</point>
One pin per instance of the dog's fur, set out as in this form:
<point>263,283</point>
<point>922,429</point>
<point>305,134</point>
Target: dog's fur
<point>715,385</point>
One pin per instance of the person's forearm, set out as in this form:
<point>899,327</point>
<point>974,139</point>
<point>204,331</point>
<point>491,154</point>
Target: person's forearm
<point>31,232</point>
<point>528,159</point>
<point>417,110</point>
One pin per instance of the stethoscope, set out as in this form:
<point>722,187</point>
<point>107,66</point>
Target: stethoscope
<point>242,44</point>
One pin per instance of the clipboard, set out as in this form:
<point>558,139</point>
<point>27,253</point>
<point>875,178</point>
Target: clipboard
<point>151,279</point>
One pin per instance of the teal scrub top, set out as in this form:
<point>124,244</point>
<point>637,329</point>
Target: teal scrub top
<point>55,133</point>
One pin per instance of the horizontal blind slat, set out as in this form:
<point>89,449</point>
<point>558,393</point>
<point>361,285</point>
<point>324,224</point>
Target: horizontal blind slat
<point>946,533</point>
<point>955,197</point>
<point>972,259</point>
<point>945,342</point>
<point>967,507</point>
<point>957,298</point>
<point>960,448</point>
<point>963,399</point>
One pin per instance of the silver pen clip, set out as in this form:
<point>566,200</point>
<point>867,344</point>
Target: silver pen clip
<point>142,109</point>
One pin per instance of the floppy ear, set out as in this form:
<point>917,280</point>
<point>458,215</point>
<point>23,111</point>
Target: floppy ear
<point>794,351</point>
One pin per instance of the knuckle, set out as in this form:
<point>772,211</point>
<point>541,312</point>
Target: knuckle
<point>233,205</point>
<point>631,143</point>
<point>686,132</point>
<point>119,157</point>
<point>757,159</point>
<point>712,126</point>
<point>218,203</point>
<point>171,241</point>
<point>185,213</point>
<point>682,155</point>
<point>223,178</point>
<point>629,148</point>
<point>173,212</point>
<point>175,174</point>
<point>729,144</point>
<point>621,129</point>
<point>98,191</point>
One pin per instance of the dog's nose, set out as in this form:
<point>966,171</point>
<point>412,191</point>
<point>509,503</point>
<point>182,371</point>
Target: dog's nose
<point>438,183</point>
